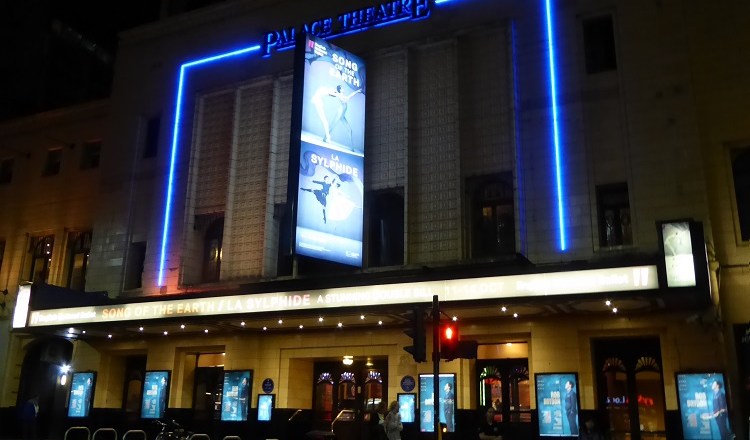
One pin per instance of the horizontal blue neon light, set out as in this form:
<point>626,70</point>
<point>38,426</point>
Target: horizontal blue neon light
<point>555,124</point>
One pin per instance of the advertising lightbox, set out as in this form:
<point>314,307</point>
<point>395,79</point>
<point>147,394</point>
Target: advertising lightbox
<point>331,151</point>
<point>155,394</point>
<point>407,404</point>
<point>236,395</point>
<point>446,402</point>
<point>557,404</point>
<point>703,406</point>
<point>81,394</point>
<point>265,407</point>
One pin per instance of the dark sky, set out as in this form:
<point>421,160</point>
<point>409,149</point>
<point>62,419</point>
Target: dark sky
<point>101,20</point>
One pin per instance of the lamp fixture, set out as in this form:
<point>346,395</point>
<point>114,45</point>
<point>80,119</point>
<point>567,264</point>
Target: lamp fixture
<point>348,360</point>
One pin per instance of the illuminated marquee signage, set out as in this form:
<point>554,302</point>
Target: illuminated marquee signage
<point>621,279</point>
<point>378,15</point>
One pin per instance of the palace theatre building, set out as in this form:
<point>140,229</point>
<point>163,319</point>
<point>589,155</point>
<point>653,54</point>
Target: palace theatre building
<point>288,186</point>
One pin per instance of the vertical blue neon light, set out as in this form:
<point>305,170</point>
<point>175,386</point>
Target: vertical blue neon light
<point>555,122</point>
<point>175,145</point>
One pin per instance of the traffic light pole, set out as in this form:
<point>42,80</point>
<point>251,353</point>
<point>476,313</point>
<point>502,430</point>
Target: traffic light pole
<point>436,367</point>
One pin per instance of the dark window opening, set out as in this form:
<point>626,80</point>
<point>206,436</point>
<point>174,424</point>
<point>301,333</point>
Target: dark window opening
<point>6,171</point>
<point>599,44</point>
<point>492,216</point>
<point>52,163</point>
<point>151,142</point>
<point>614,215</point>
<point>90,155</point>
<point>212,251</point>
<point>78,259</point>
<point>386,229</point>
<point>741,176</point>
<point>134,266</point>
<point>40,249</point>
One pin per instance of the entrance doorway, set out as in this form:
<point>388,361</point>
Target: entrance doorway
<point>209,384</point>
<point>630,387</point>
<point>502,372</point>
<point>360,386</point>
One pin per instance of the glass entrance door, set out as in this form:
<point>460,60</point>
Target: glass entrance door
<point>504,385</point>
<point>630,388</point>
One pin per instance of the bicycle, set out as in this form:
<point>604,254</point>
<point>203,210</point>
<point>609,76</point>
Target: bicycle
<point>177,432</point>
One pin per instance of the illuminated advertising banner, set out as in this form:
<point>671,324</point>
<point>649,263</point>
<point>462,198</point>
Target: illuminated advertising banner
<point>446,402</point>
<point>330,195</point>
<point>236,395</point>
<point>703,406</point>
<point>155,394</point>
<point>620,279</point>
<point>407,405</point>
<point>678,254</point>
<point>265,407</point>
<point>557,404</point>
<point>81,394</point>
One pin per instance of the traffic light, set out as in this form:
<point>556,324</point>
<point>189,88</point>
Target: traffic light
<point>416,332</point>
<point>451,347</point>
<point>448,340</point>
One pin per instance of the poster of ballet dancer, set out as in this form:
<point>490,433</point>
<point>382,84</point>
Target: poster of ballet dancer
<point>331,162</point>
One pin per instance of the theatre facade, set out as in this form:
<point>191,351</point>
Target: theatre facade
<point>285,187</point>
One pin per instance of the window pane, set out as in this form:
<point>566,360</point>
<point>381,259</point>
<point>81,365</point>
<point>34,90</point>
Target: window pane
<point>52,164</point>
<point>650,401</point>
<point>617,401</point>
<point>599,44</point>
<point>741,174</point>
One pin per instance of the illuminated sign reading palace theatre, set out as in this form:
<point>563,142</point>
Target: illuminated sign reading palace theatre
<point>377,15</point>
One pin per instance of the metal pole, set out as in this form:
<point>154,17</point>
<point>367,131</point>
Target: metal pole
<point>436,367</point>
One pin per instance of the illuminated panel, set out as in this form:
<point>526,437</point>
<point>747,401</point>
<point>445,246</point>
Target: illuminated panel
<point>595,281</point>
<point>555,123</point>
<point>330,193</point>
<point>175,143</point>
<point>21,312</point>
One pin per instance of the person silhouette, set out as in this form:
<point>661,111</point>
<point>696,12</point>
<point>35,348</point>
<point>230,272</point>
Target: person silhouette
<point>340,117</point>
<point>322,193</point>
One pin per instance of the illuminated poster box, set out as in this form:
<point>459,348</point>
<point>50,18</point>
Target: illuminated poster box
<point>407,404</point>
<point>266,404</point>
<point>330,151</point>
<point>557,404</point>
<point>155,394</point>
<point>235,398</point>
<point>81,394</point>
<point>703,406</point>
<point>446,402</point>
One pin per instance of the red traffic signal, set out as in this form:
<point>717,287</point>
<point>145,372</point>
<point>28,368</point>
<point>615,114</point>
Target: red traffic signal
<point>448,340</point>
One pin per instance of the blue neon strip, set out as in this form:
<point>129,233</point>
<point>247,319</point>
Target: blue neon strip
<point>556,130</point>
<point>175,144</point>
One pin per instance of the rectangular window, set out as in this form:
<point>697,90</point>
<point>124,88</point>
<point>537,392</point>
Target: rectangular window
<point>151,141</point>
<point>599,44</point>
<point>614,215</point>
<point>79,246</point>
<point>386,228</point>
<point>741,177</point>
<point>52,163</point>
<point>134,267</point>
<point>40,258</point>
<point>491,213</point>
<point>90,154</point>
<point>6,171</point>
<point>2,253</point>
